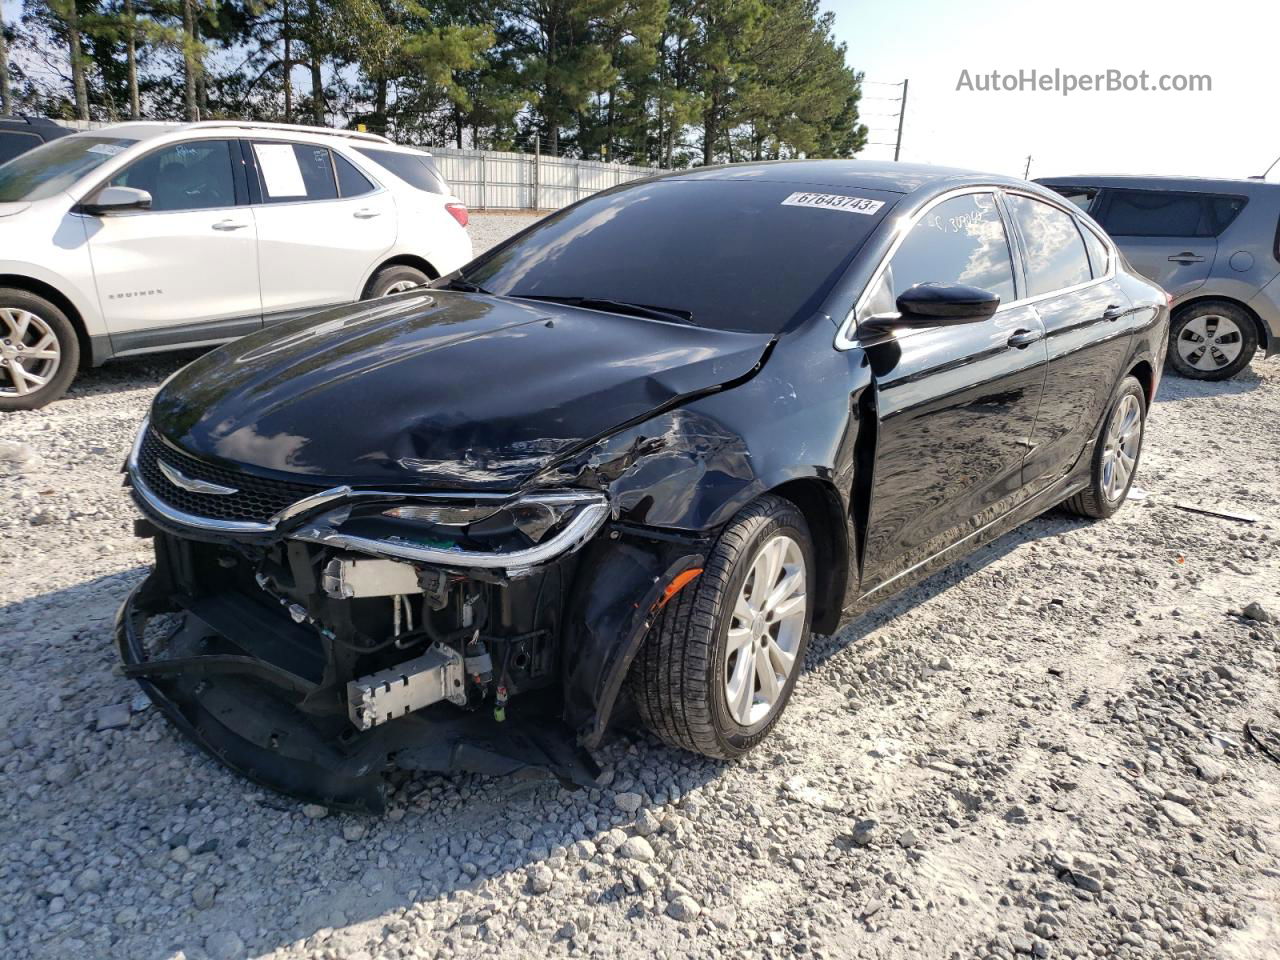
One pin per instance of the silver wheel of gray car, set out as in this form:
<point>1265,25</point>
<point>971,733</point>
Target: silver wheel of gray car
<point>397,278</point>
<point>1121,447</point>
<point>1210,342</point>
<point>29,353</point>
<point>765,629</point>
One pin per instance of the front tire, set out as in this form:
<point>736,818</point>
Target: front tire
<point>1115,454</point>
<point>720,662</point>
<point>39,351</point>
<point>398,278</point>
<point>1213,340</point>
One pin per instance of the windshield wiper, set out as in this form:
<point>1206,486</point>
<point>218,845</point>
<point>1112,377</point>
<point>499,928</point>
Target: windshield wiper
<point>462,283</point>
<point>650,312</point>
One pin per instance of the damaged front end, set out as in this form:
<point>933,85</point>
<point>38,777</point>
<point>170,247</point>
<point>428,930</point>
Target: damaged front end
<point>317,640</point>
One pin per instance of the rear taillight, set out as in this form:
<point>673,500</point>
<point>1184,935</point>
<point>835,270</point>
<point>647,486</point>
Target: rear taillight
<point>459,212</point>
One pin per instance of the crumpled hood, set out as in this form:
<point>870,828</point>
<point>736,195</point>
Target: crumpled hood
<point>438,388</point>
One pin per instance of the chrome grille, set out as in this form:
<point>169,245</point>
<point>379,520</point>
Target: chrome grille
<point>256,499</point>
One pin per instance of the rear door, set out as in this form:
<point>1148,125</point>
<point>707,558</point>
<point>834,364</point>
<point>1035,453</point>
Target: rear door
<point>322,225</point>
<point>955,405</point>
<point>1088,323</point>
<point>1169,236</point>
<point>186,270</point>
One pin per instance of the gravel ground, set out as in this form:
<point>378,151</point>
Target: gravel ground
<point>1038,752</point>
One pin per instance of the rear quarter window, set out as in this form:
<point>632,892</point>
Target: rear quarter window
<point>1168,213</point>
<point>417,170</point>
<point>13,144</point>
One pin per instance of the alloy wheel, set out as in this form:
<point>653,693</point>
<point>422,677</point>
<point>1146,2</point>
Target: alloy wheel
<point>401,286</point>
<point>1120,453</point>
<point>1210,342</point>
<point>29,352</point>
<point>765,630</point>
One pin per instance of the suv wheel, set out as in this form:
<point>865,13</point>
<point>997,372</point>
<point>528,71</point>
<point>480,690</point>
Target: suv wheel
<point>389,281</point>
<point>1212,341</point>
<point>39,351</point>
<point>719,663</point>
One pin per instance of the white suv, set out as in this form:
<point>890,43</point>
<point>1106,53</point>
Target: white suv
<point>141,237</point>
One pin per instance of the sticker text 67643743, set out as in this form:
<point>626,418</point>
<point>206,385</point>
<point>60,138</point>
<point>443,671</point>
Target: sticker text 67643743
<point>834,201</point>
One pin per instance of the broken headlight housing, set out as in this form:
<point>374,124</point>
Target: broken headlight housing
<point>496,532</point>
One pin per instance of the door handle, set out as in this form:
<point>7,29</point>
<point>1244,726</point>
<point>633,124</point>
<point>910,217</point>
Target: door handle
<point>1021,339</point>
<point>1113,312</point>
<point>367,214</point>
<point>229,225</point>
<point>1186,257</point>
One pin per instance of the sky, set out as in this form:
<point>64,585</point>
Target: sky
<point>1233,130</point>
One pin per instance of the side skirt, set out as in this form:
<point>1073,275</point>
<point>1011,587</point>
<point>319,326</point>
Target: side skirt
<point>1047,499</point>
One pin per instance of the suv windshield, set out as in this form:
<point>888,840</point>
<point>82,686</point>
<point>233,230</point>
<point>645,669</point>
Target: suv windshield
<point>731,254</point>
<point>54,167</point>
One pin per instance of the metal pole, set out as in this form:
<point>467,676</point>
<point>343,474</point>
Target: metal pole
<point>1026,174</point>
<point>484,178</point>
<point>902,119</point>
<point>537,167</point>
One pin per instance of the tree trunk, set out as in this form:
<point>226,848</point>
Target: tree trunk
<point>131,60</point>
<point>190,67</point>
<point>709,133</point>
<point>6,98</point>
<point>380,104</point>
<point>317,78</point>
<point>79,83</point>
<point>286,31</point>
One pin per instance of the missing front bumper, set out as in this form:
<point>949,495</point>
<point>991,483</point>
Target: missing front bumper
<point>254,716</point>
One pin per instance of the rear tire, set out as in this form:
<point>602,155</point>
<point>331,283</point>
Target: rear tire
<point>1115,454</point>
<point>700,649</point>
<point>395,279</point>
<point>1213,340</point>
<point>39,351</point>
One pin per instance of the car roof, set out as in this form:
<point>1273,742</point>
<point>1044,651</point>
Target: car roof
<point>1189,184</point>
<point>149,130</point>
<point>43,126</point>
<point>884,175</point>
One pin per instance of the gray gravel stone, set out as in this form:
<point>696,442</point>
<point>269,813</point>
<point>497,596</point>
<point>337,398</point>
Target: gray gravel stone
<point>684,908</point>
<point>636,848</point>
<point>113,717</point>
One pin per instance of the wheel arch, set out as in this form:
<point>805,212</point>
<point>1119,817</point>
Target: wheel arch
<point>62,302</point>
<point>822,507</point>
<point>399,260</point>
<point>1145,374</point>
<point>1264,335</point>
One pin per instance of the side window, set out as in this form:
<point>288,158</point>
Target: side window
<point>1099,255</point>
<point>291,172</point>
<point>414,169</point>
<point>14,144</point>
<point>1056,256</point>
<point>961,240</point>
<point>351,182</point>
<point>1168,213</point>
<point>186,176</point>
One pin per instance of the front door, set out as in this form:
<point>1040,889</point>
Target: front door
<point>1168,236</point>
<point>1088,321</point>
<point>186,270</point>
<point>322,226</point>
<point>956,405</point>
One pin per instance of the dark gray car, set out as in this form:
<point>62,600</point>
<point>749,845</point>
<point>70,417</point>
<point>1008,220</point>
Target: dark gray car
<point>1214,245</point>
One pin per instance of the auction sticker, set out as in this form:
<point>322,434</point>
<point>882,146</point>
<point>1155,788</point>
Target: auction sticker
<point>834,201</point>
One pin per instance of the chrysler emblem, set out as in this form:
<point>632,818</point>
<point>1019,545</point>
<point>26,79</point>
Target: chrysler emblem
<point>179,479</point>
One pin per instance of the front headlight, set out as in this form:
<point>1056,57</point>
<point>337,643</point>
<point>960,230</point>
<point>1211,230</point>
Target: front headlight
<point>512,533</point>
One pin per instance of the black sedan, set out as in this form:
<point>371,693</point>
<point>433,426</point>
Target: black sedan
<point>620,466</point>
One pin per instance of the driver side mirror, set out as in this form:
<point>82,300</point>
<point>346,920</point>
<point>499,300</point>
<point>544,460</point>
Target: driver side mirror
<point>938,305</point>
<point>111,200</point>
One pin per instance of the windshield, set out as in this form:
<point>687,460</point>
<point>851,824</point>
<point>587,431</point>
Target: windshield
<point>732,254</point>
<point>54,167</point>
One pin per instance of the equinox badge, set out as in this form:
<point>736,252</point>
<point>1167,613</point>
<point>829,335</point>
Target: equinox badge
<point>193,486</point>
